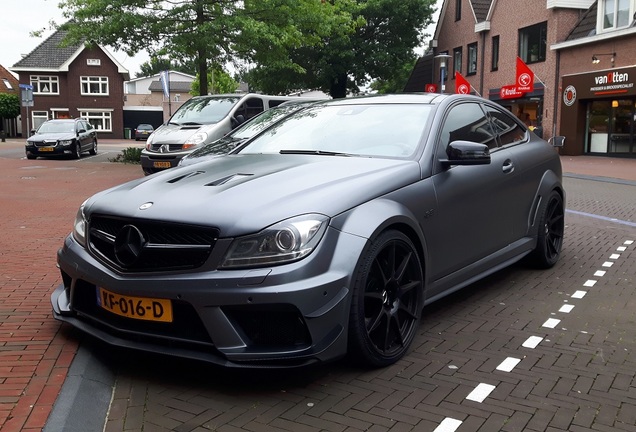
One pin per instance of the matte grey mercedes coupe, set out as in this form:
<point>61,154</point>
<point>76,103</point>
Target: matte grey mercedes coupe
<point>325,234</point>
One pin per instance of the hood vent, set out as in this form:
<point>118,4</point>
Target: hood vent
<point>225,180</point>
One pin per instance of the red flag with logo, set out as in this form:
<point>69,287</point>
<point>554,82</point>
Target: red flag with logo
<point>461,85</point>
<point>525,77</point>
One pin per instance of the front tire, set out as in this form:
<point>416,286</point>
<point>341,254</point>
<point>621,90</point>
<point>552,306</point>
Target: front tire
<point>550,236</point>
<point>77,151</point>
<point>386,301</point>
<point>93,150</point>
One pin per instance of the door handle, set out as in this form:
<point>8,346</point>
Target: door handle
<point>508,166</point>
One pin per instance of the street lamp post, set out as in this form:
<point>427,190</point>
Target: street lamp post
<point>442,70</point>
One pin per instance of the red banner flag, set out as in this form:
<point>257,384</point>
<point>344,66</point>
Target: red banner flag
<point>430,88</point>
<point>461,85</point>
<point>525,77</point>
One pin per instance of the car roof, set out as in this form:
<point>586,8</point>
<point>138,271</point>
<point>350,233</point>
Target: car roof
<point>426,98</point>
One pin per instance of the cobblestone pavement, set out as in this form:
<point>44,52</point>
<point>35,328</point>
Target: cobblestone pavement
<point>523,350</point>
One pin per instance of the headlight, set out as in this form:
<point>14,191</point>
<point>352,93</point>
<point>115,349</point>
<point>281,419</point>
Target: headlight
<point>65,142</point>
<point>284,242</point>
<point>79,227</point>
<point>195,140</point>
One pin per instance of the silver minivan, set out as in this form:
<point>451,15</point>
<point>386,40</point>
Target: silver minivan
<point>199,121</point>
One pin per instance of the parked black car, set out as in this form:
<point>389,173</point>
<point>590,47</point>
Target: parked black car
<point>326,234</point>
<point>62,137</point>
<point>143,131</point>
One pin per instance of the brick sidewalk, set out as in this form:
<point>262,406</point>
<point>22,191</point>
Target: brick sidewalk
<point>34,355</point>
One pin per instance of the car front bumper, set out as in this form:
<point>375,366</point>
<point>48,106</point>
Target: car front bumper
<point>287,316</point>
<point>152,162</point>
<point>57,150</point>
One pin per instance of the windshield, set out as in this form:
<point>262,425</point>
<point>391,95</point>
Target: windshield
<point>263,121</point>
<point>384,130</point>
<point>57,127</point>
<point>205,110</point>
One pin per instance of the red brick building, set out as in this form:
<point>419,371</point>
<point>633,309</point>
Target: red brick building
<point>74,81</point>
<point>557,39</point>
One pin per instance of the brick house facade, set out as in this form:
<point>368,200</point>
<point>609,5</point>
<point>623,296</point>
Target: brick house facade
<point>74,81</point>
<point>557,40</point>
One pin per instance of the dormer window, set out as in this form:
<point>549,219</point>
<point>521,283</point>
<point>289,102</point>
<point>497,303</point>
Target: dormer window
<point>614,14</point>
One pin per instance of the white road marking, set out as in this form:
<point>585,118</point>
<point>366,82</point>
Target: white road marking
<point>480,392</point>
<point>600,273</point>
<point>532,342</point>
<point>608,264</point>
<point>589,283</point>
<point>508,364</point>
<point>551,323</point>
<point>448,425</point>
<point>579,294</point>
<point>615,256</point>
<point>566,308</point>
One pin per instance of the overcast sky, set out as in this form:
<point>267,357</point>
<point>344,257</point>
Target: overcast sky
<point>18,18</point>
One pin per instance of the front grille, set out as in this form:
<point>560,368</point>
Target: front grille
<point>137,245</point>
<point>46,143</point>
<point>185,327</point>
<point>170,147</point>
<point>272,326</point>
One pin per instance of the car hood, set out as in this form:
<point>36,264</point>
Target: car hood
<point>52,136</point>
<point>174,134</point>
<point>242,194</point>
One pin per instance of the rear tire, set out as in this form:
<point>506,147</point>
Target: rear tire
<point>550,236</point>
<point>386,301</point>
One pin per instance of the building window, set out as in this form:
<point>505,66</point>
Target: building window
<point>37,118</point>
<point>100,120</point>
<point>45,84</point>
<point>472,59</point>
<point>616,14</point>
<point>94,85</point>
<point>495,53</point>
<point>457,60</point>
<point>7,84</point>
<point>458,10</point>
<point>532,43</point>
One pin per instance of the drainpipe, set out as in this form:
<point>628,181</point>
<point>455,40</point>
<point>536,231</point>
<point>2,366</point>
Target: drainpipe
<point>555,110</point>
<point>483,62</point>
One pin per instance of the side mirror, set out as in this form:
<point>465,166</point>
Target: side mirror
<point>466,153</point>
<point>557,141</point>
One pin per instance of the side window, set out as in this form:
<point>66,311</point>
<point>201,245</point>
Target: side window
<point>466,122</point>
<point>506,126</point>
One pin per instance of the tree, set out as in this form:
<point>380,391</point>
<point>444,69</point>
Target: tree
<point>210,31</point>
<point>381,41</point>
<point>158,64</point>
<point>396,82</point>
<point>219,82</point>
<point>9,106</point>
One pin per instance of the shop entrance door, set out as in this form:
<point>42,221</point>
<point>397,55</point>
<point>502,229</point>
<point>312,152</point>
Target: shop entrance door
<point>621,137</point>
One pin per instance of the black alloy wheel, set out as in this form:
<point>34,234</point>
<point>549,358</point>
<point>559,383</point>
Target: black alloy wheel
<point>550,235</point>
<point>386,301</point>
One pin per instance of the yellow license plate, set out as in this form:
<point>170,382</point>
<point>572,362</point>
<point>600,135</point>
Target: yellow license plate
<point>141,308</point>
<point>45,149</point>
<point>161,164</point>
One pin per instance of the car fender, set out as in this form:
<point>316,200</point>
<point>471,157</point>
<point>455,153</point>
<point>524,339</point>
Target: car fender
<point>549,182</point>
<point>371,218</point>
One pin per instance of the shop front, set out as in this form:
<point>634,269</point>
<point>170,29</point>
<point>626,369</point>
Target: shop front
<point>598,114</point>
<point>526,106</point>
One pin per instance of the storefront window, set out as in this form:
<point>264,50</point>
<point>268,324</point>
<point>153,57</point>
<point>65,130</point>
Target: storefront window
<point>611,126</point>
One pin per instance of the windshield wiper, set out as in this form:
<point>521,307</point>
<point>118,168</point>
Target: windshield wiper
<point>315,152</point>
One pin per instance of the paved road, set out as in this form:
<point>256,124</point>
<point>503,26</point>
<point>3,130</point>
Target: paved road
<point>523,350</point>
